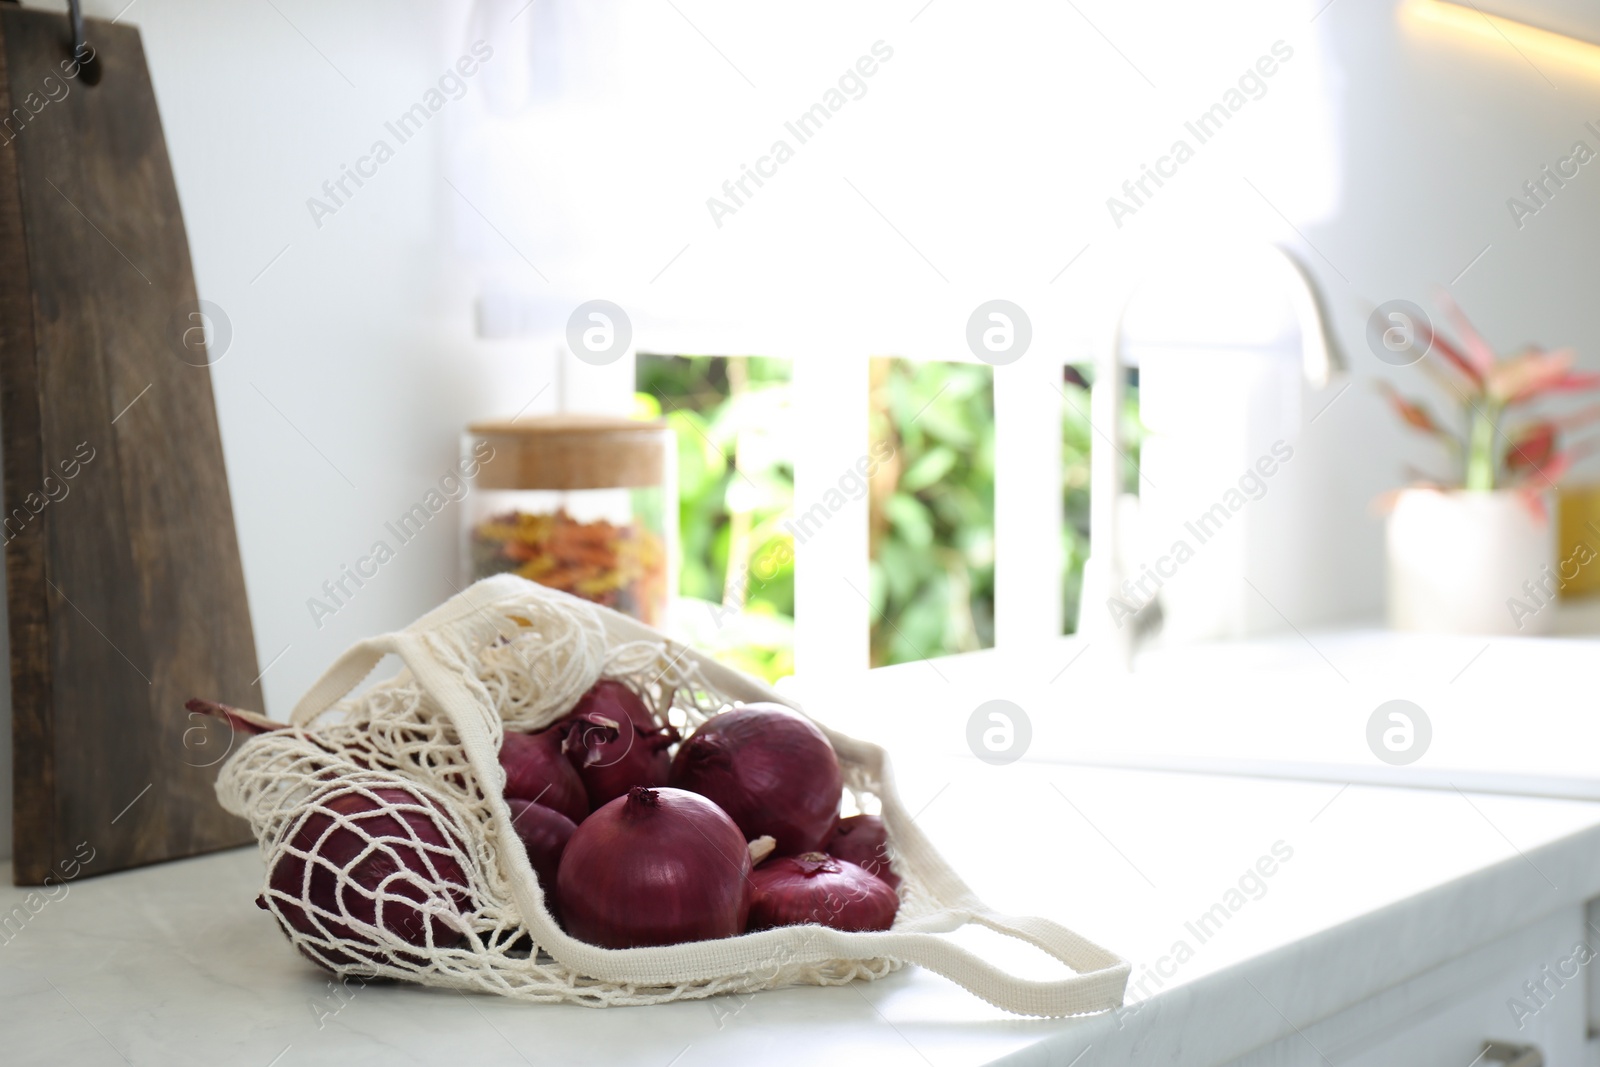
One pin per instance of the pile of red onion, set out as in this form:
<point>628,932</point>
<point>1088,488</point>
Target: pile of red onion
<point>633,844</point>
<point>665,855</point>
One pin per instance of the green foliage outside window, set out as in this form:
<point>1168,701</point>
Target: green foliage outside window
<point>735,488</point>
<point>932,510</point>
<point>931,513</point>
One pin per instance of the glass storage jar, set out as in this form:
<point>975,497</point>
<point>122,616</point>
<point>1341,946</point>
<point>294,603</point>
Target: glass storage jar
<point>582,503</point>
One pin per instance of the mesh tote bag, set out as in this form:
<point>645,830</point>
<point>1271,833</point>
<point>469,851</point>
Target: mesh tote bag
<point>460,906</point>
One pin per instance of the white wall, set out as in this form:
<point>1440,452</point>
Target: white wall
<point>353,369</point>
<point>1437,131</point>
<point>361,333</point>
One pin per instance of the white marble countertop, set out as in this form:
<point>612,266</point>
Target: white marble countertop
<point>174,965</point>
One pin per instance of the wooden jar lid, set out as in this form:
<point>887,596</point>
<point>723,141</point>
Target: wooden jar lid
<point>572,452</point>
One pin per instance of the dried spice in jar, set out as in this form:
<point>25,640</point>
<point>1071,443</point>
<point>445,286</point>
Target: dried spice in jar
<point>584,504</point>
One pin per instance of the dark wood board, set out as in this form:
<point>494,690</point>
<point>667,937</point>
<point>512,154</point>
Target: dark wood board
<point>124,586</point>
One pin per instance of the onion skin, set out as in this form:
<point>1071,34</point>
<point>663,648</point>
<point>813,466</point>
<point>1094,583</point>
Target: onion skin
<point>538,772</point>
<point>616,743</point>
<point>248,723</point>
<point>771,769</point>
<point>400,847</point>
<point>863,841</point>
<point>656,867</point>
<point>616,700</point>
<point>544,833</point>
<point>815,888</point>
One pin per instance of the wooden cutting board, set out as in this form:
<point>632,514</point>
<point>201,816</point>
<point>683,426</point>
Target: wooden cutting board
<point>124,586</point>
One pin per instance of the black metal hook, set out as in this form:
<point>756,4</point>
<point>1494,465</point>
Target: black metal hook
<point>88,67</point>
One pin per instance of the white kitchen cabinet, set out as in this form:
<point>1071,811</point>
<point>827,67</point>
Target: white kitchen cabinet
<point>1443,1018</point>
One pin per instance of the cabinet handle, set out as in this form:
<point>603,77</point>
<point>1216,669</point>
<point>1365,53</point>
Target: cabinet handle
<point>1508,1055</point>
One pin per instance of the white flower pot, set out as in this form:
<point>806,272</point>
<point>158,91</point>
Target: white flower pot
<point>1470,563</point>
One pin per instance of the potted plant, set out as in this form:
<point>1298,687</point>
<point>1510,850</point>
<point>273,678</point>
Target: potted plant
<point>1475,552</point>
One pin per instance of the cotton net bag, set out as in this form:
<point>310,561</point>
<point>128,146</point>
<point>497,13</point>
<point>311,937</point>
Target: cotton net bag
<point>461,906</point>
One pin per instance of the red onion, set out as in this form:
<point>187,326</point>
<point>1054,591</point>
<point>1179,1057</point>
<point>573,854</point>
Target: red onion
<point>402,865</point>
<point>544,834</point>
<point>536,771</point>
<point>616,743</point>
<point>863,841</point>
<point>814,888</point>
<point>656,867</point>
<point>770,769</point>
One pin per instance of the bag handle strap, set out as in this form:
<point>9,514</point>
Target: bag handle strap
<point>1097,986</point>
<point>343,675</point>
<point>470,607</point>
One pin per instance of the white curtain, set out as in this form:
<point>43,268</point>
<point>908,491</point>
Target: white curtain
<point>976,160</point>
